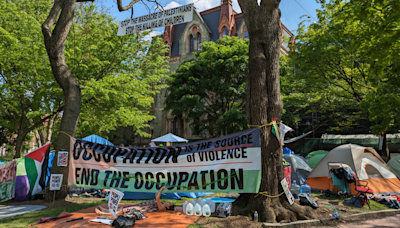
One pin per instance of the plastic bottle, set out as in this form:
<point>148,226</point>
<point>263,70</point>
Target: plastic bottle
<point>211,204</point>
<point>305,189</point>
<point>184,206</point>
<point>189,209</point>
<point>206,210</point>
<point>197,210</point>
<point>256,216</point>
<point>295,188</point>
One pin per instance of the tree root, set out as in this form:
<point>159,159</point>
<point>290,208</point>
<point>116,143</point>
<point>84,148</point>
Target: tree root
<point>271,209</point>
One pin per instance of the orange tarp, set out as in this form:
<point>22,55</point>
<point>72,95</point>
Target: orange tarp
<point>163,219</point>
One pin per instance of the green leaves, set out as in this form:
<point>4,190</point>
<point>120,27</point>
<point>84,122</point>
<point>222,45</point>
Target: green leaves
<point>211,90</point>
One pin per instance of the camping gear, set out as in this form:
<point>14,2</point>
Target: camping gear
<point>364,161</point>
<point>49,219</point>
<point>299,168</point>
<point>305,199</point>
<point>97,139</point>
<point>224,210</point>
<point>31,173</point>
<point>194,194</point>
<point>169,138</point>
<point>394,164</point>
<point>124,222</point>
<point>14,210</point>
<point>314,157</point>
<point>336,172</point>
<point>287,150</point>
<point>220,200</point>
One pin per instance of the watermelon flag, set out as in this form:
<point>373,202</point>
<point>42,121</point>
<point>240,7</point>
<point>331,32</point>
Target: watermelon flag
<point>29,173</point>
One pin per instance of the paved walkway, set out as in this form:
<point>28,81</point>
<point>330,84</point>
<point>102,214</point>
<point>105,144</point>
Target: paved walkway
<point>392,221</point>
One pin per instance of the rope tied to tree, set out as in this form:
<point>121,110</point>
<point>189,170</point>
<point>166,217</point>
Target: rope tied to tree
<point>259,126</point>
<point>265,194</point>
<point>66,133</point>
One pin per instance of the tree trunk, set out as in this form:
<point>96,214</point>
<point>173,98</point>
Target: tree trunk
<point>18,143</point>
<point>263,103</point>
<point>55,45</point>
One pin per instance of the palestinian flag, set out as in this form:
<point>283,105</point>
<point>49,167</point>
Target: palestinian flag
<point>29,173</point>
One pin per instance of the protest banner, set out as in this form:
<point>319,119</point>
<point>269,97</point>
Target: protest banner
<point>55,181</point>
<point>113,202</point>
<point>230,163</point>
<point>7,180</point>
<point>174,16</point>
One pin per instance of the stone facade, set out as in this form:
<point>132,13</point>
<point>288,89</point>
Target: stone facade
<point>208,25</point>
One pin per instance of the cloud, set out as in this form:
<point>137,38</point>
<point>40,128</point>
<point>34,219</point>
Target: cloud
<point>171,5</point>
<point>153,33</point>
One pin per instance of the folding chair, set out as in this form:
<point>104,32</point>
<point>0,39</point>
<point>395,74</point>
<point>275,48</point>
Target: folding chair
<point>362,189</point>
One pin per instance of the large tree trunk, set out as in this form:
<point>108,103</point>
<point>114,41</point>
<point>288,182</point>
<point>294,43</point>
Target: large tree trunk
<point>55,45</point>
<point>263,103</point>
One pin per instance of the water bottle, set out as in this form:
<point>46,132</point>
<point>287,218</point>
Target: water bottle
<point>184,206</point>
<point>189,209</point>
<point>256,216</point>
<point>206,210</point>
<point>197,210</point>
<point>295,188</point>
<point>211,204</point>
<point>305,189</point>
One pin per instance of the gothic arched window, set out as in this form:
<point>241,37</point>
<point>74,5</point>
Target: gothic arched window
<point>224,32</point>
<point>191,43</point>
<point>198,42</point>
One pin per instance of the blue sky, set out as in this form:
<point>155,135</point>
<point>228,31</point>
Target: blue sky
<point>291,10</point>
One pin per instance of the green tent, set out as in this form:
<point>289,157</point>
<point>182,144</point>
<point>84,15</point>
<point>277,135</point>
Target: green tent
<point>314,157</point>
<point>394,165</point>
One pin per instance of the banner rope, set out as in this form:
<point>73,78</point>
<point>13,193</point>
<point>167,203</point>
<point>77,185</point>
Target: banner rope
<point>259,126</point>
<point>265,194</point>
<point>65,133</point>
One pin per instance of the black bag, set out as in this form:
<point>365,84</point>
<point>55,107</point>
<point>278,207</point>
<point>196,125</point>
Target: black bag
<point>339,173</point>
<point>124,222</point>
<point>307,201</point>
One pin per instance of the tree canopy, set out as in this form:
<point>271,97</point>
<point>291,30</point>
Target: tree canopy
<point>118,74</point>
<point>211,90</point>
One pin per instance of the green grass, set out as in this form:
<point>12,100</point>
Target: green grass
<point>26,219</point>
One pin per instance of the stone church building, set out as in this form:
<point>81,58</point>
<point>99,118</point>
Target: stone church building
<point>183,39</point>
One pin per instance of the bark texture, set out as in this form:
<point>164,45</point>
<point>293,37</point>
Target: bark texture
<point>263,103</point>
<point>61,16</point>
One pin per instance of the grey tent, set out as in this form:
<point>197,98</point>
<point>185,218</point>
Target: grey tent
<point>300,168</point>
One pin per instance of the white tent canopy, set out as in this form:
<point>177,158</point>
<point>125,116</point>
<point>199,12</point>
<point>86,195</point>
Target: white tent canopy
<point>169,138</point>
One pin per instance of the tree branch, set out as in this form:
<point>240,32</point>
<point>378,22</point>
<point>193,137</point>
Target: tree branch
<point>51,19</point>
<point>124,8</point>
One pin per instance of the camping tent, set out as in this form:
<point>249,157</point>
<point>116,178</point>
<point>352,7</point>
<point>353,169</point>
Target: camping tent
<point>394,165</point>
<point>97,139</point>
<point>300,168</point>
<point>169,138</point>
<point>364,161</point>
<point>314,157</point>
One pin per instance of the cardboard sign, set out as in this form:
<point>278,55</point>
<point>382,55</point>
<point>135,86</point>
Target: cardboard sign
<point>289,195</point>
<point>62,158</point>
<point>113,201</point>
<point>56,181</point>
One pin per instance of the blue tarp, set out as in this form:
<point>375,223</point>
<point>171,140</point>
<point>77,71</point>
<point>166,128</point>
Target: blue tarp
<point>49,166</point>
<point>220,200</point>
<point>1,162</point>
<point>147,196</point>
<point>194,194</point>
<point>98,139</point>
<point>287,151</point>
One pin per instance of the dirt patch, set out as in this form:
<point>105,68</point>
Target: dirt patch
<point>232,221</point>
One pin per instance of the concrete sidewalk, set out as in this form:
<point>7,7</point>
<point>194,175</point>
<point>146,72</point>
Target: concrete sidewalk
<point>386,222</point>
